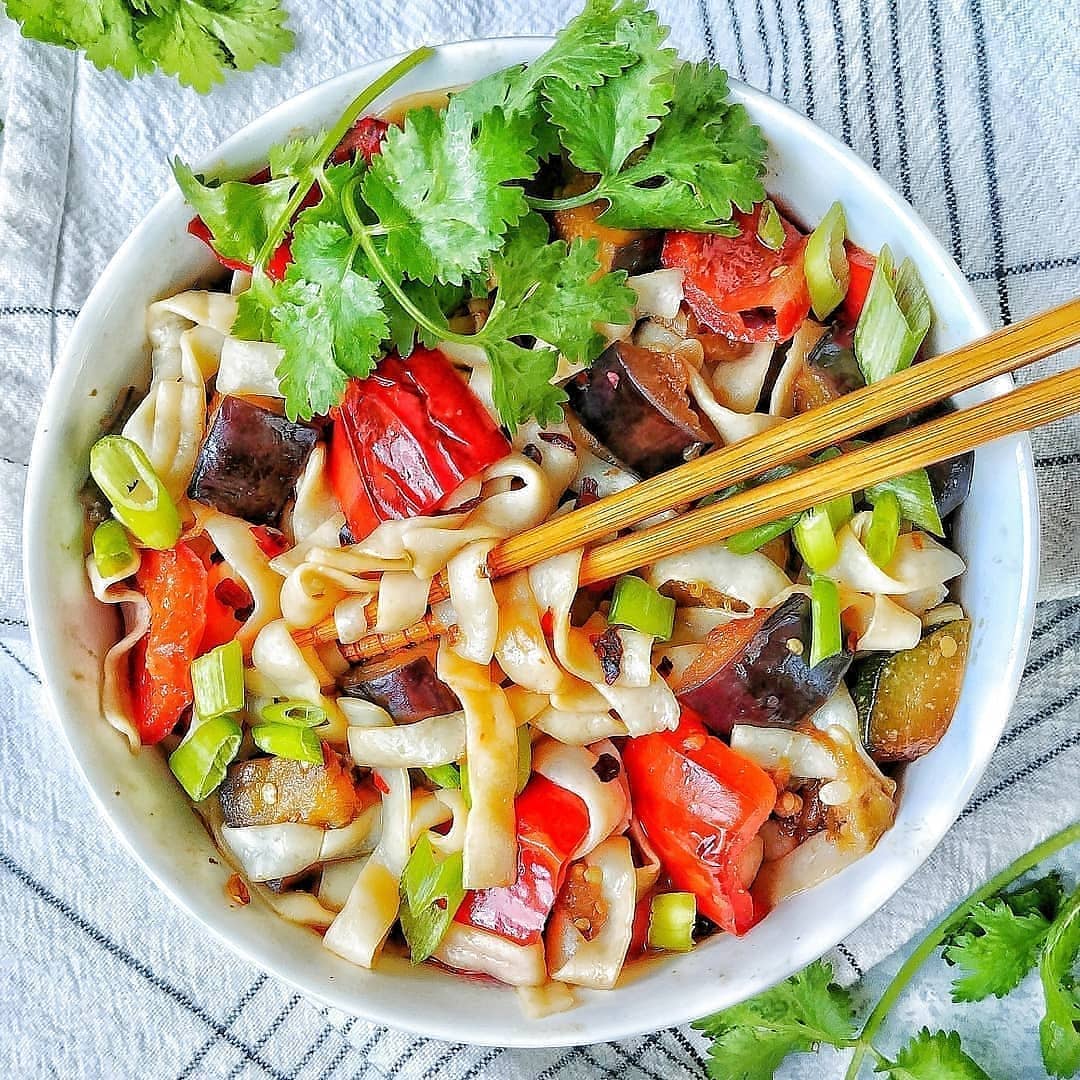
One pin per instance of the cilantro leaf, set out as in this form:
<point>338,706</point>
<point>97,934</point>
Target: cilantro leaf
<point>239,215</point>
<point>937,1056</point>
<point>752,1039</point>
<point>198,41</point>
<point>442,189</point>
<point>521,383</point>
<point>996,950</point>
<point>1059,1030</point>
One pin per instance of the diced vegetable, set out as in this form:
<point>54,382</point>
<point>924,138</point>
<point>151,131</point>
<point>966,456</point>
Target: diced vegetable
<point>446,776</point>
<point>638,605</point>
<point>827,273</point>
<point>250,461</point>
<point>737,286</point>
<point>634,401</point>
<point>671,921</point>
<point>174,584</point>
<point>431,893</point>
<point>770,229</point>
<point>363,140</point>
<point>951,481</point>
<point>884,529</point>
<point>294,714</point>
<point>405,438</point>
<point>861,269</point>
<point>906,700</point>
<point>200,761</point>
<point>288,741</point>
<point>742,543</point>
<point>700,804</point>
<point>757,671</point>
<point>273,790</point>
<point>635,251</point>
<point>113,553</point>
<point>551,824</point>
<point>405,685</point>
<point>135,491</point>
<point>217,679</point>
<point>894,320</point>
<point>815,539</point>
<point>916,498</point>
<point>830,372</point>
<point>825,634</point>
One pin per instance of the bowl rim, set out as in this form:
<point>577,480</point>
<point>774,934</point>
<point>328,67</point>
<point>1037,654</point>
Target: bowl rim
<point>40,624</point>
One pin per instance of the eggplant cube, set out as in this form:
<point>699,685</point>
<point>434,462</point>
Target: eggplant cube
<point>634,401</point>
<point>250,461</point>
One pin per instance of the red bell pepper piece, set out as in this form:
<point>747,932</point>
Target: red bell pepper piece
<point>364,138</point>
<point>700,804</point>
<point>862,265</point>
<point>737,286</point>
<point>551,824</point>
<point>405,437</point>
<point>174,583</point>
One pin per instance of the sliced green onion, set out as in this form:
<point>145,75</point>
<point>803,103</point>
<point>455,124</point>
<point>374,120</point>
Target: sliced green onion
<point>671,921</point>
<point>770,229</point>
<point>825,262</point>
<point>288,741</point>
<point>825,635</point>
<point>639,606</point>
<point>113,554</point>
<point>524,760</point>
<point>814,537</point>
<point>431,893</point>
<point>894,320</point>
<point>840,510</point>
<point>916,498</point>
<point>742,543</point>
<point>884,529</point>
<point>138,497</point>
<point>200,761</point>
<point>217,677</point>
<point>463,775</point>
<point>446,776</point>
<point>294,714</point>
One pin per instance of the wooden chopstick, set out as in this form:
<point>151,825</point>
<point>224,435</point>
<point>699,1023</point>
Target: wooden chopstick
<point>1019,410</point>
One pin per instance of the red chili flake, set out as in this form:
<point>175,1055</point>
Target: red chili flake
<point>380,783</point>
<point>589,493</point>
<point>609,648</point>
<point>547,623</point>
<point>237,891</point>
<point>233,593</point>
<point>272,542</point>
<point>557,438</point>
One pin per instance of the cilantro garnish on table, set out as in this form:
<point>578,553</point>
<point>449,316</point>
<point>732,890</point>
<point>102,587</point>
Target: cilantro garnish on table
<point>197,41</point>
<point>994,939</point>
<point>443,213</point>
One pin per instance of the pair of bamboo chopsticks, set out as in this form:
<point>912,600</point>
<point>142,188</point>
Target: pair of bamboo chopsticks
<point>899,395</point>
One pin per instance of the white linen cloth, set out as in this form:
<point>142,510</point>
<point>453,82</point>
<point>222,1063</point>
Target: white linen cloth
<point>967,106</point>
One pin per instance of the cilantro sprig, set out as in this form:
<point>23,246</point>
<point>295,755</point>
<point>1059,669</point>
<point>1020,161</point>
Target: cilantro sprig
<point>197,41</point>
<point>994,939</point>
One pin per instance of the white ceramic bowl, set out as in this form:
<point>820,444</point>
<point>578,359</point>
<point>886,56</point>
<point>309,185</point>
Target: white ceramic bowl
<point>149,813</point>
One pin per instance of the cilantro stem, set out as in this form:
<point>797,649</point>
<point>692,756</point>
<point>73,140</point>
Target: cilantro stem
<point>312,175</point>
<point>571,202</point>
<point>937,935</point>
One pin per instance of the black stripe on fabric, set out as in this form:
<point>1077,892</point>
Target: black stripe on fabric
<point>1059,262</point>
<point>229,1020</point>
<point>841,70</point>
<point>986,120</point>
<point>706,32</point>
<point>409,1054</point>
<point>631,1059</point>
<point>14,622</point>
<point>1045,713</point>
<point>483,1062</point>
<point>590,1057</point>
<point>1071,608</point>
<point>689,1047</point>
<point>366,1047</point>
<point>573,1053</point>
<point>785,51</point>
<point>899,111</point>
<point>33,309</point>
<point>435,1067</point>
<point>272,1030</point>
<point>808,57</point>
<point>1049,656</point>
<point>1055,461</point>
<point>763,37</point>
<point>871,96</point>
<point>118,952</point>
<point>952,208</point>
<point>846,953</point>
<point>311,1051</point>
<point>8,653</point>
<point>1022,773</point>
<point>736,33</point>
<point>12,461</point>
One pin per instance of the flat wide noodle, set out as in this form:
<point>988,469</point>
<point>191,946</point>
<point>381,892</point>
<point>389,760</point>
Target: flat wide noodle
<point>481,952</point>
<point>438,740</point>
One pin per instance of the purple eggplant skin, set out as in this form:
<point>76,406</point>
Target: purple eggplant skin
<point>950,481</point>
<point>769,682</point>
<point>634,401</point>
<point>408,691</point>
<point>250,461</point>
